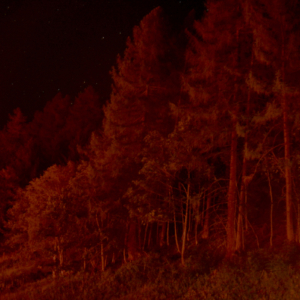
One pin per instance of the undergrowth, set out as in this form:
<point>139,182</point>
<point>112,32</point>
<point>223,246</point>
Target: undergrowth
<point>258,274</point>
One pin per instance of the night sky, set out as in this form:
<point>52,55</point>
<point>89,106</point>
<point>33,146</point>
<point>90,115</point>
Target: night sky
<point>51,46</point>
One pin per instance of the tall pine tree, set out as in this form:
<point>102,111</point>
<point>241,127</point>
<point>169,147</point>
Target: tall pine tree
<point>276,34</point>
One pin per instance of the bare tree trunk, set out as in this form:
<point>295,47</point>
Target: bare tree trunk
<point>140,244</point>
<point>124,255</point>
<point>185,224</point>
<point>298,214</point>
<point>240,220</point>
<point>145,235</point>
<point>162,234</point>
<point>205,232</point>
<point>157,234</point>
<point>189,224</point>
<point>84,258</point>
<point>176,235</point>
<point>298,219</point>
<point>102,256</point>
<point>271,210</point>
<point>232,193</point>
<point>287,148</point>
<point>168,233</point>
<point>132,240</point>
<point>150,235</point>
<point>288,174</point>
<point>196,231</point>
<point>197,216</point>
<point>203,210</point>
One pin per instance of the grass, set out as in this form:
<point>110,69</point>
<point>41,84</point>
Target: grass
<point>259,274</point>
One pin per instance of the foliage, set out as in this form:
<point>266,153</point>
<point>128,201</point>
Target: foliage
<point>191,140</point>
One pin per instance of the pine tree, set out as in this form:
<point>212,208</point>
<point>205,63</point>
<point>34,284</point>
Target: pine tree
<point>276,28</point>
<point>8,188</point>
<point>17,147</point>
<point>47,129</point>
<point>84,117</point>
<point>144,82</point>
<point>219,60</point>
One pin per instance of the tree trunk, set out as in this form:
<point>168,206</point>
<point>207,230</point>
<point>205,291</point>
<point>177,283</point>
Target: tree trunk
<point>102,256</point>
<point>176,235</point>
<point>287,165</point>
<point>240,221</point>
<point>124,256</point>
<point>168,233</point>
<point>298,219</point>
<point>205,232</point>
<point>297,233</point>
<point>150,235</point>
<point>162,234</point>
<point>140,246</point>
<point>288,174</point>
<point>232,193</point>
<point>287,143</point>
<point>185,223</point>
<point>197,216</point>
<point>196,231</point>
<point>271,210</point>
<point>132,241</point>
<point>203,210</point>
<point>145,235</point>
<point>189,224</point>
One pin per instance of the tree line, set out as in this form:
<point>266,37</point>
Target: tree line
<point>198,141</point>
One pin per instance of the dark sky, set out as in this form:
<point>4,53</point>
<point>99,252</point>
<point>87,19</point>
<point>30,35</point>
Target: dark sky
<point>48,46</point>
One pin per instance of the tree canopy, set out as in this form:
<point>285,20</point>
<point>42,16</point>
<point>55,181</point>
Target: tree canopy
<point>198,141</point>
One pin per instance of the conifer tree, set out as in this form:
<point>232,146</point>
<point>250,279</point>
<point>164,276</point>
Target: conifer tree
<point>219,57</point>
<point>276,30</point>
<point>17,147</point>
<point>144,82</point>
<point>47,131</point>
<point>8,188</point>
<point>85,116</point>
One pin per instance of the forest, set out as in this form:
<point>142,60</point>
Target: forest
<point>194,158</point>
